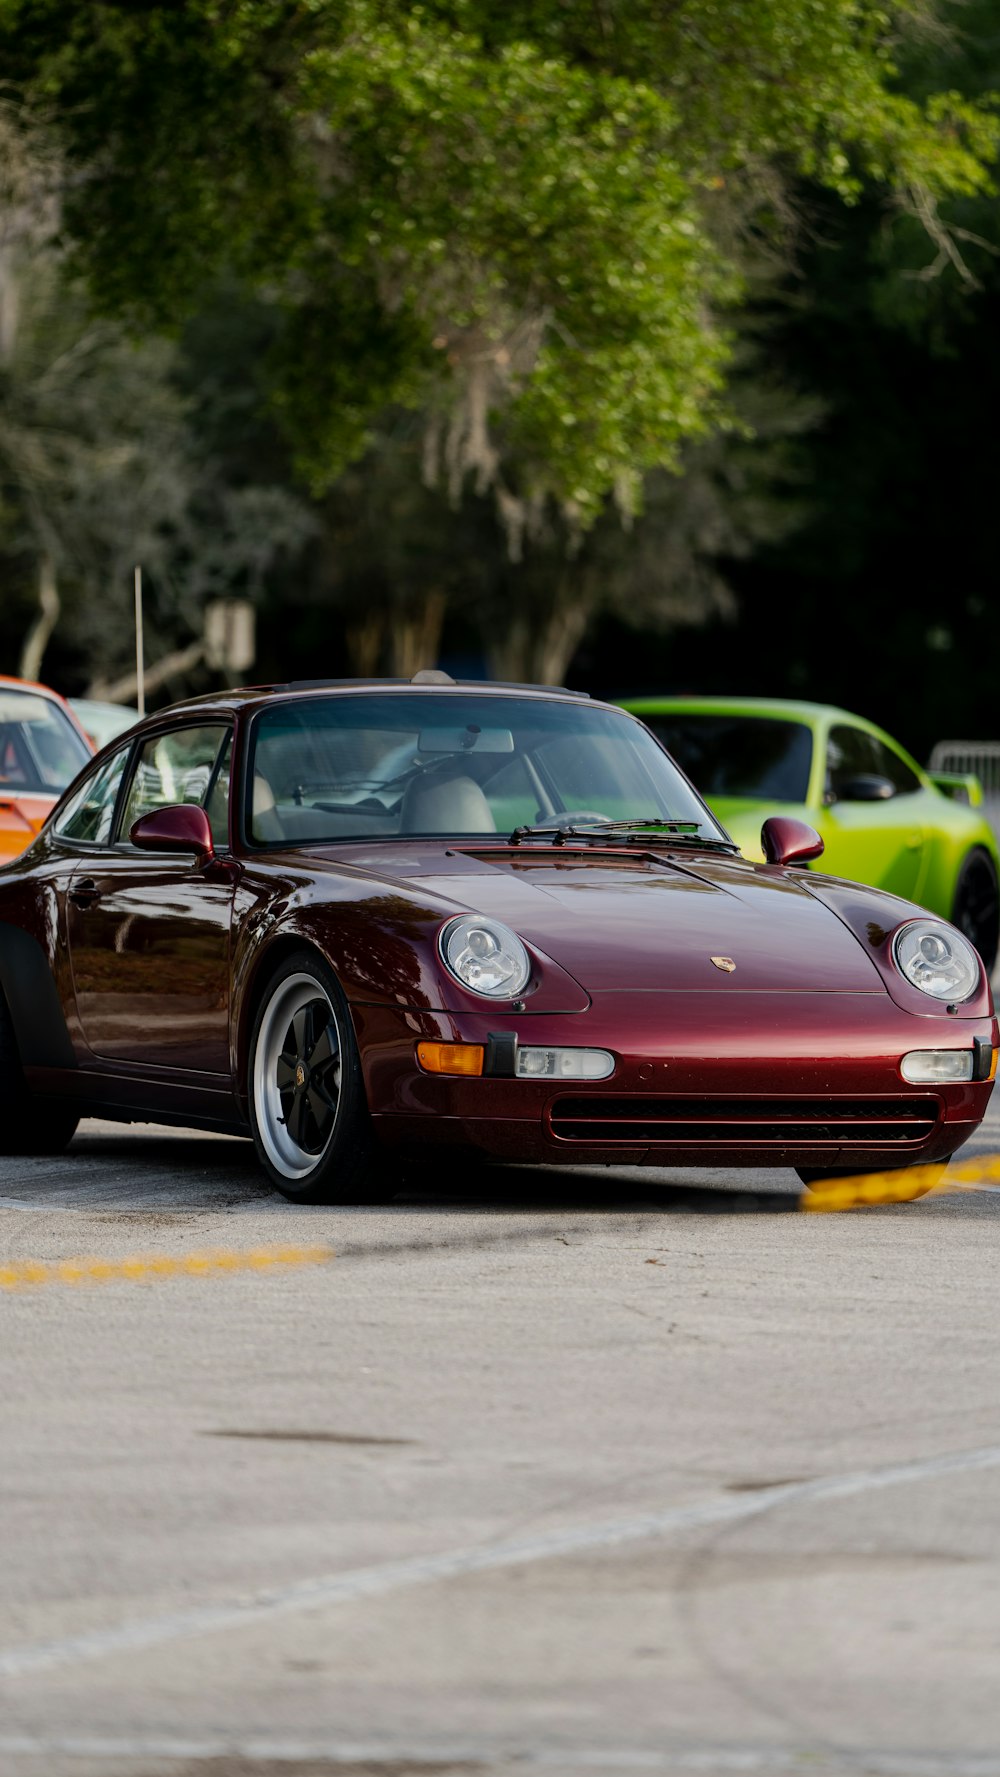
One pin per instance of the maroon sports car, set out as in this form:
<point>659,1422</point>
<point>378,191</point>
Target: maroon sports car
<point>358,918</point>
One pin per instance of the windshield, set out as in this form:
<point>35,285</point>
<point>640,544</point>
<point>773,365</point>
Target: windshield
<point>40,750</point>
<point>349,767</point>
<point>764,758</point>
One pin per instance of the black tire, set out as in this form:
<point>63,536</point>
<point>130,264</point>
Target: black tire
<point>308,1110</point>
<point>28,1125</point>
<point>976,907</point>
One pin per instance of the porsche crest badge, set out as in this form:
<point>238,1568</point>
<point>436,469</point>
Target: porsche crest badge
<point>725,963</point>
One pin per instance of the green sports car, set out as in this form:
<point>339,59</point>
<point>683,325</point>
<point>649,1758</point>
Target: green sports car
<point>883,819</point>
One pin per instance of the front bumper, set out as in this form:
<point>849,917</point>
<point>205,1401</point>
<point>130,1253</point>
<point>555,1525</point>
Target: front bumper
<point>751,1079</point>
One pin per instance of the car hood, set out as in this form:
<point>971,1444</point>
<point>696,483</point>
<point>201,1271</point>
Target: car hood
<point>647,922</point>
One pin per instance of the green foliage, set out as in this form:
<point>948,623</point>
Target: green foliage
<point>533,209</point>
<point>94,462</point>
<point>100,468</point>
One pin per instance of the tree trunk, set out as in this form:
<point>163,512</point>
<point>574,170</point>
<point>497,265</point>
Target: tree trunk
<point>37,639</point>
<point>9,305</point>
<point>508,656</point>
<point>415,638</point>
<point>365,641</point>
<point>540,642</point>
<point>557,643</point>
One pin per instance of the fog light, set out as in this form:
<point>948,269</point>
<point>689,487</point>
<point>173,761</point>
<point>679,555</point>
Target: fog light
<point>936,1067</point>
<point>564,1064</point>
<point>451,1058</point>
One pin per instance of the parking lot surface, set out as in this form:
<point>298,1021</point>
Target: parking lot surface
<point>523,1471</point>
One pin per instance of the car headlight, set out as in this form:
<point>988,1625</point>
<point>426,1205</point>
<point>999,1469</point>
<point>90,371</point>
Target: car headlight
<point>485,956</point>
<point>936,959</point>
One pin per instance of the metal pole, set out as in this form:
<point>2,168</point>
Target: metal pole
<point>139,665</point>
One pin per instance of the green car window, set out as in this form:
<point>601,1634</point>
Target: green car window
<point>762,757</point>
<point>854,753</point>
<point>850,753</point>
<point>903,780</point>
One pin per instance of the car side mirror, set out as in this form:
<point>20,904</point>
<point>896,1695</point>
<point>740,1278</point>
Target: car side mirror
<point>787,841</point>
<point>180,827</point>
<point>867,786</point>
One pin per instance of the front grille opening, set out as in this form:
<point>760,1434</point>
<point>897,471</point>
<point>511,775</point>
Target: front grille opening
<point>758,1122</point>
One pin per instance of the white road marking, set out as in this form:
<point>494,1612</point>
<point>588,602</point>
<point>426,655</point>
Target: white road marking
<point>392,1576</point>
<point>820,1761</point>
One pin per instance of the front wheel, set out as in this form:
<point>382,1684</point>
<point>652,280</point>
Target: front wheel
<point>308,1111</point>
<point>976,907</point>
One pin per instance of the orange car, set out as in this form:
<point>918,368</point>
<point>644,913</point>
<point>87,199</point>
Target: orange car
<point>42,747</point>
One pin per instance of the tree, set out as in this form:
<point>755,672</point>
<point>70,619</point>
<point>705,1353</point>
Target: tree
<point>529,224</point>
<point>522,217</point>
<point>668,568</point>
<point>884,599</point>
<point>99,469</point>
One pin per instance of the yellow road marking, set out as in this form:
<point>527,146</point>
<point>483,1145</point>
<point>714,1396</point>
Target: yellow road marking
<point>981,1170</point>
<point>860,1191</point>
<point>158,1266</point>
<point>981,1173</point>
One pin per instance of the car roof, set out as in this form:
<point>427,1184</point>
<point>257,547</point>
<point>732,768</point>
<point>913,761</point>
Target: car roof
<point>9,682</point>
<point>790,709</point>
<point>250,698</point>
<point>32,689</point>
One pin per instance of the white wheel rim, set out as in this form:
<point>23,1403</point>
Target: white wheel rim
<point>297,1075</point>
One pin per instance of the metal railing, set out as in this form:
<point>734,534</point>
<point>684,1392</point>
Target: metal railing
<point>980,757</point>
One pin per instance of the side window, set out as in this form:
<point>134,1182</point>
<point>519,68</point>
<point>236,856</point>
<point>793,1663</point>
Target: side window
<point>890,765</point>
<point>172,767</point>
<point>850,753</point>
<point>90,813</point>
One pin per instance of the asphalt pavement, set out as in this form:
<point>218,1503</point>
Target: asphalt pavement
<point>601,1471</point>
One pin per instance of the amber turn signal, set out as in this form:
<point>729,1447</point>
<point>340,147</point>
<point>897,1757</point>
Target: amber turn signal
<point>451,1058</point>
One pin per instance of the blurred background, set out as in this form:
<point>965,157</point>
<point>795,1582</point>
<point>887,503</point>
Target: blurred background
<point>643,349</point>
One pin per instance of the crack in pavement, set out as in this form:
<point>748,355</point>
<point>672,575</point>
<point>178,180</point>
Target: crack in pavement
<point>355,1584</point>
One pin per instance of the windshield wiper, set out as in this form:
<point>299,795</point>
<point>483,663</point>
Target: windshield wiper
<point>677,832</point>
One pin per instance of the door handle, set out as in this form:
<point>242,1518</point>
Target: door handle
<point>85,893</point>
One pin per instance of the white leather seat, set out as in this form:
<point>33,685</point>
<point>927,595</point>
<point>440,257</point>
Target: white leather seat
<point>266,821</point>
<point>445,805</point>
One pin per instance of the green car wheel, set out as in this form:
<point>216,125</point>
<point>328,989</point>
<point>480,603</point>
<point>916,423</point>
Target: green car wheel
<point>976,908</point>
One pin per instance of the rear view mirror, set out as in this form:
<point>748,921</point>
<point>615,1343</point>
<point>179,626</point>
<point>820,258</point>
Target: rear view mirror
<point>787,841</point>
<point>179,827</point>
<point>472,739</point>
<point>867,786</point>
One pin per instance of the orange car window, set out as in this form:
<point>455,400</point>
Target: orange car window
<point>40,749</point>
